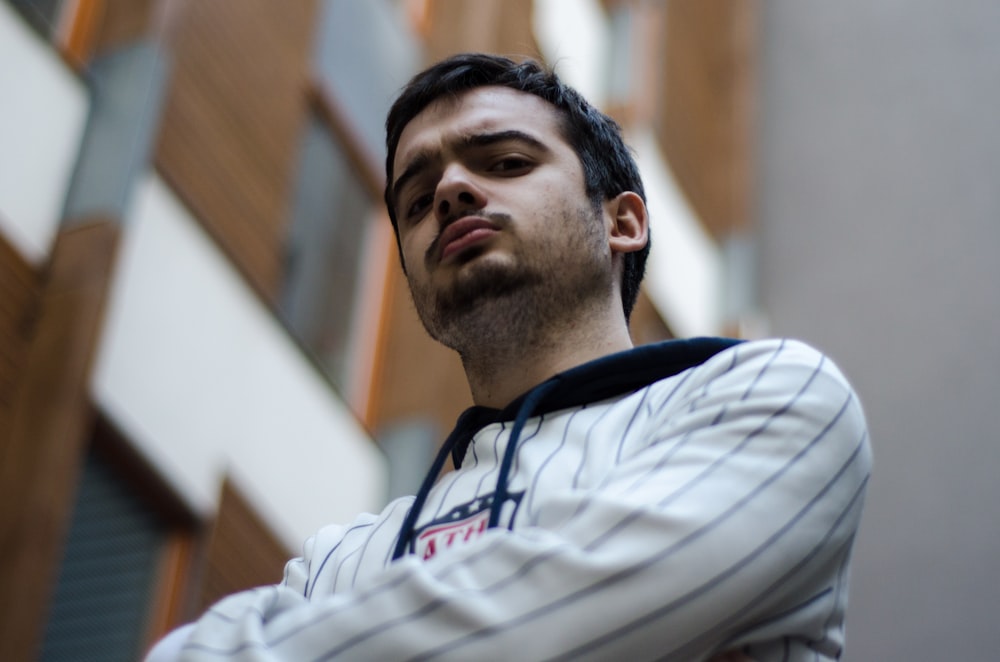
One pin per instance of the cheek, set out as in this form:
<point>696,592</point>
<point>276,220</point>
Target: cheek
<point>412,247</point>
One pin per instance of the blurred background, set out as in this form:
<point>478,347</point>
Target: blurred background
<point>207,349</point>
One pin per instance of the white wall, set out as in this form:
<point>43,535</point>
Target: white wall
<point>43,111</point>
<point>684,270</point>
<point>198,373</point>
<point>879,235</point>
<point>574,37</point>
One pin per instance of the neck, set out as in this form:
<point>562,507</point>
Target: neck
<point>500,372</point>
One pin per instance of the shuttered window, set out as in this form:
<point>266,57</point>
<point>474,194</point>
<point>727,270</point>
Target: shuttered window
<point>107,578</point>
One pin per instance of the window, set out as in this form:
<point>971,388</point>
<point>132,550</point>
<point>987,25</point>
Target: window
<point>108,578</point>
<point>331,213</point>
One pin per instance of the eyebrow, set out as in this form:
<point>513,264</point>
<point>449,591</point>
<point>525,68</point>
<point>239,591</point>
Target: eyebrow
<point>423,158</point>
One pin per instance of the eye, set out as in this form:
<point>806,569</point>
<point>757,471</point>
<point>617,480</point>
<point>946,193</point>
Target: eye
<point>511,165</point>
<point>419,206</point>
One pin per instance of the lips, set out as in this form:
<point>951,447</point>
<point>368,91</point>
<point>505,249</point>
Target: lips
<point>463,233</point>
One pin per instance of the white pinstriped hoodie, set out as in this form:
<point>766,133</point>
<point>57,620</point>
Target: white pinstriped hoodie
<point>666,503</point>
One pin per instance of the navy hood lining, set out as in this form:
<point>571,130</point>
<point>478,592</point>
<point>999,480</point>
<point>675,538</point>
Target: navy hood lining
<point>606,377</point>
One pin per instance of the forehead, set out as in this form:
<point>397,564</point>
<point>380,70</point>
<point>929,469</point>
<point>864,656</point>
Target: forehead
<point>479,110</point>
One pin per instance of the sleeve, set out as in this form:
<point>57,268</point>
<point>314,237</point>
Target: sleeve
<point>731,523</point>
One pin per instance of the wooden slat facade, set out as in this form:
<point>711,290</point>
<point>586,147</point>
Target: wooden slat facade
<point>50,423</point>
<point>705,111</point>
<point>120,22</point>
<point>491,26</point>
<point>232,121</point>
<point>19,289</point>
<point>242,553</point>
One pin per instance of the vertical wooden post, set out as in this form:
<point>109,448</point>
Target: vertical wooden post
<point>50,424</point>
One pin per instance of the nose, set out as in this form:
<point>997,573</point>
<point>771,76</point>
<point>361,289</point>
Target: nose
<point>457,192</point>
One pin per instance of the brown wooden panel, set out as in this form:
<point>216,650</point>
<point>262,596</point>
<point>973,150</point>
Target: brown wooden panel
<point>170,606</point>
<point>19,293</point>
<point>80,30</point>
<point>419,378</point>
<point>243,552</point>
<point>489,26</point>
<point>705,112</point>
<point>232,121</point>
<point>120,22</point>
<point>41,449</point>
<point>646,325</point>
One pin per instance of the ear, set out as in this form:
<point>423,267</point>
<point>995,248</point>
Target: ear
<point>629,223</point>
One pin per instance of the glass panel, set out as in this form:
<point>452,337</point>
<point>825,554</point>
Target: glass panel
<point>330,217</point>
<point>42,14</point>
<point>364,55</point>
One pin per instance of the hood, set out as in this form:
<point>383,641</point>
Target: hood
<point>606,377</point>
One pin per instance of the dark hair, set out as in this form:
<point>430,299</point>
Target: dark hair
<point>608,166</point>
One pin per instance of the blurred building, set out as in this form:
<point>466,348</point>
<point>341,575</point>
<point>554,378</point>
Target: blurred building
<point>208,348</point>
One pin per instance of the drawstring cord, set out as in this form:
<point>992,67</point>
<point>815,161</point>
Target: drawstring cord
<point>597,380</point>
<point>531,401</point>
<point>406,531</point>
<point>523,413</point>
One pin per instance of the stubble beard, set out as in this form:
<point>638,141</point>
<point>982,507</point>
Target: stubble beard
<point>498,305</point>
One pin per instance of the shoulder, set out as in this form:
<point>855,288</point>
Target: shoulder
<point>771,361</point>
<point>771,384</point>
<point>795,390</point>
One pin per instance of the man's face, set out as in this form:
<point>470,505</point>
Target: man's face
<point>494,221</point>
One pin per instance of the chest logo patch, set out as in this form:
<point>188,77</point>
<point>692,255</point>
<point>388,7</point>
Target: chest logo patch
<point>461,524</point>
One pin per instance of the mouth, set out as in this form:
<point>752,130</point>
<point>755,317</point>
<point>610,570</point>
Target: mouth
<point>464,233</point>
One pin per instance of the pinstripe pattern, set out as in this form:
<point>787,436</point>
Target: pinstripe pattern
<point>711,510</point>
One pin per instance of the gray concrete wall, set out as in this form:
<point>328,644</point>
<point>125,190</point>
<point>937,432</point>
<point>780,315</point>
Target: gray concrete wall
<point>879,228</point>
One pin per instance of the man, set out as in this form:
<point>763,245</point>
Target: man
<point>691,500</point>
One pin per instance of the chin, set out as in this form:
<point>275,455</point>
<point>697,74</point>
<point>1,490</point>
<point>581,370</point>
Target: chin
<point>480,299</point>
<point>481,281</point>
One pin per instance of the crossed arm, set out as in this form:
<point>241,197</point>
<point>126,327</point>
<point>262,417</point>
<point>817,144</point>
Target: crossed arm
<point>748,538</point>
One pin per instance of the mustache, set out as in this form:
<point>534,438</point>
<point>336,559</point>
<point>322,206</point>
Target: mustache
<point>498,219</point>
